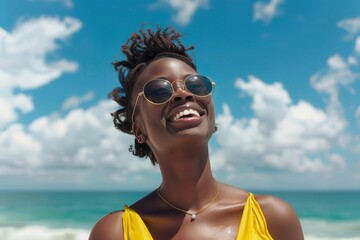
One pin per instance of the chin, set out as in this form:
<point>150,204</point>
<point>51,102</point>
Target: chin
<point>194,135</point>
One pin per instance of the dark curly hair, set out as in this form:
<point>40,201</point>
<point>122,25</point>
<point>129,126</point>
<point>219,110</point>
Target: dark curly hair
<point>141,49</point>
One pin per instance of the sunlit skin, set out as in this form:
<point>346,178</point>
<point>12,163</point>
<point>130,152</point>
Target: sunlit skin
<point>153,122</point>
<point>181,149</point>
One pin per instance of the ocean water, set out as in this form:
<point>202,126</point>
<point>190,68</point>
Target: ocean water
<point>71,215</point>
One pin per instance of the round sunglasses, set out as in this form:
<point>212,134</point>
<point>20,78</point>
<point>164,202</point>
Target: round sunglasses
<point>160,91</point>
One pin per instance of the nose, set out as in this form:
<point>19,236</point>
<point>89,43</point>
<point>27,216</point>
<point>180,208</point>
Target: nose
<point>180,92</point>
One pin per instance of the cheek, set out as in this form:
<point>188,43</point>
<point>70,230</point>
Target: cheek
<point>150,116</point>
<point>211,111</point>
<point>212,114</point>
<point>209,105</point>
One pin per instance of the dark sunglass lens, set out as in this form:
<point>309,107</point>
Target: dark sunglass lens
<point>199,85</point>
<point>158,91</point>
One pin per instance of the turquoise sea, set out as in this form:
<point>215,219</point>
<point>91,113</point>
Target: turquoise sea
<point>64,215</point>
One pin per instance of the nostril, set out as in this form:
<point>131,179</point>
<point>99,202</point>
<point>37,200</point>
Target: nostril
<point>189,98</point>
<point>177,99</point>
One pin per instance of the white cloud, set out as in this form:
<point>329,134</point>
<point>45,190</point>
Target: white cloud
<point>19,151</point>
<point>9,103</point>
<point>289,136</point>
<point>357,115</point>
<point>80,143</point>
<point>357,45</point>
<point>266,11</point>
<point>282,135</point>
<point>73,149</point>
<point>74,101</point>
<point>269,102</point>
<point>356,147</point>
<point>27,47</point>
<point>185,9</point>
<point>24,64</point>
<point>352,60</point>
<point>338,74</point>
<point>336,62</point>
<point>337,162</point>
<point>351,25</point>
<point>68,3</point>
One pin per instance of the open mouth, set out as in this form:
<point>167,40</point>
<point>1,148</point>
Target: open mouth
<point>187,113</point>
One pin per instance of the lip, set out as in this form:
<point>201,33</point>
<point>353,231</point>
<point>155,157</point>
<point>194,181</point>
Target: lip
<point>189,105</point>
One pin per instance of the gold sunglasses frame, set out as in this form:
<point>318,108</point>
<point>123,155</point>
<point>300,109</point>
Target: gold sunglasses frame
<point>213,84</point>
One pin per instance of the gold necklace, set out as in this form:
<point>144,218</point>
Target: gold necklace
<point>192,214</point>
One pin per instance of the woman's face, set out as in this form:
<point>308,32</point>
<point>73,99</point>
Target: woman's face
<point>158,124</point>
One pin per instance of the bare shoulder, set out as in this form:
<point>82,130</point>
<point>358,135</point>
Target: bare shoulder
<point>108,227</point>
<point>281,218</point>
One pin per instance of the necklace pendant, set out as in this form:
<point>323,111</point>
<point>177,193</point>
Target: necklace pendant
<point>193,216</point>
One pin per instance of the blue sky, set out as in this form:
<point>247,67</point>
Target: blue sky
<point>287,96</point>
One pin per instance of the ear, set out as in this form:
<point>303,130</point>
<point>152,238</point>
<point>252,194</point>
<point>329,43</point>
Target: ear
<point>138,132</point>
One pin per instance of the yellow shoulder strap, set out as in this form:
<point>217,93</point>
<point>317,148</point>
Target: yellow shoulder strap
<point>253,224</point>
<point>133,226</point>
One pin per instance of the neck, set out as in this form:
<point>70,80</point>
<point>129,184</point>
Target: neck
<point>188,182</point>
<point>191,213</point>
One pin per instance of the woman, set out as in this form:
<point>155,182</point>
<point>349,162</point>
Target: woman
<point>167,106</point>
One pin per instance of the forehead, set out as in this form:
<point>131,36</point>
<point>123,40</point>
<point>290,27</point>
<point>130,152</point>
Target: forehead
<point>168,68</point>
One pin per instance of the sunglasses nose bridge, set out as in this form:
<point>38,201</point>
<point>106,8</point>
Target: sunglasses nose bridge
<point>178,84</point>
<point>180,92</point>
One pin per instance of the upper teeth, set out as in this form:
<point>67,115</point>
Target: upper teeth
<point>185,113</point>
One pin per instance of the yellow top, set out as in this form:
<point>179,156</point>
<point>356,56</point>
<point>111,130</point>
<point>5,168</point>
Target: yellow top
<point>252,224</point>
